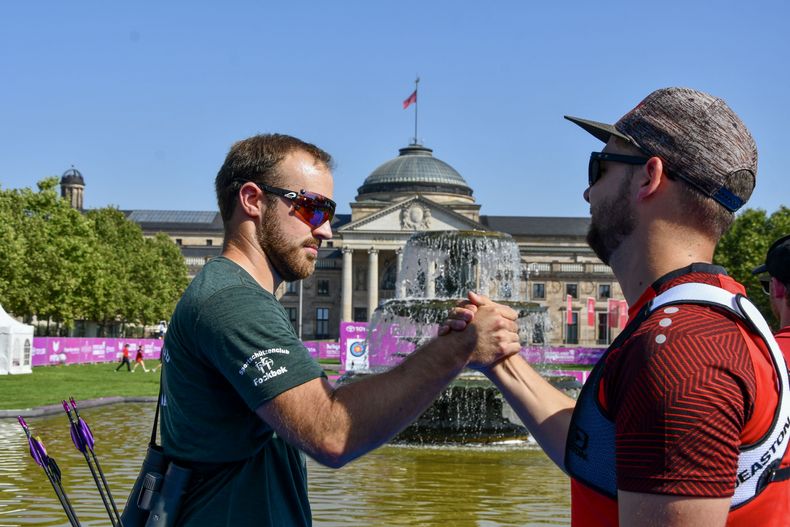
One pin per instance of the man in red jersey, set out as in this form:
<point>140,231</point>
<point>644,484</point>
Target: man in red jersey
<point>685,419</point>
<point>777,286</point>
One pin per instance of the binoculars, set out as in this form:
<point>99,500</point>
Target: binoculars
<point>157,493</point>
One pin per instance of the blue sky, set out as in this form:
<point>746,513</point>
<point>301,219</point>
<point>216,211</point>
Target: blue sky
<point>145,98</point>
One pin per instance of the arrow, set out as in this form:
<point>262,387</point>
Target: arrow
<point>83,440</point>
<point>39,454</point>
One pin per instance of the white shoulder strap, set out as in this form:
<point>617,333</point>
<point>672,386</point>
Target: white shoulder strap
<point>696,293</point>
<point>762,457</point>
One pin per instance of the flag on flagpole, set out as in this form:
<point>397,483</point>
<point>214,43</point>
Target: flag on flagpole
<point>411,99</point>
<point>613,310</point>
<point>591,312</point>
<point>569,317</point>
<point>623,314</point>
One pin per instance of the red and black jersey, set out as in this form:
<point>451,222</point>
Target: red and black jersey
<point>680,389</point>
<point>684,391</point>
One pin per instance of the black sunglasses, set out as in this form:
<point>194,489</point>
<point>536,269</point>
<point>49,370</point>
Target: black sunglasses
<point>594,168</point>
<point>310,207</point>
<point>766,285</point>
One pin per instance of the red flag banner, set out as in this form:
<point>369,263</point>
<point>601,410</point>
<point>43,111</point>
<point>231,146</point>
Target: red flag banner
<point>569,309</point>
<point>623,313</point>
<point>613,310</point>
<point>411,99</point>
<point>591,312</point>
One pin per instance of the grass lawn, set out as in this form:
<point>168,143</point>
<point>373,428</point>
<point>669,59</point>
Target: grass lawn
<point>50,384</point>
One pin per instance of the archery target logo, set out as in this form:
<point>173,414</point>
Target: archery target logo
<point>357,349</point>
<point>356,354</point>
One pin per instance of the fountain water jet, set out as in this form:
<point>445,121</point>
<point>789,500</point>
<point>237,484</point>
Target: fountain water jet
<point>438,269</point>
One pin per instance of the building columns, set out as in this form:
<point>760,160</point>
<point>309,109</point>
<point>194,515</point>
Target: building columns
<point>373,280</point>
<point>399,289</point>
<point>348,253</point>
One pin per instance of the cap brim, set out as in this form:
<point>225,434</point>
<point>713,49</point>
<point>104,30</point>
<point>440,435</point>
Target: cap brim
<point>762,269</point>
<point>601,131</point>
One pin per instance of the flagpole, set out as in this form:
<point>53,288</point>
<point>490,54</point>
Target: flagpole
<point>416,102</point>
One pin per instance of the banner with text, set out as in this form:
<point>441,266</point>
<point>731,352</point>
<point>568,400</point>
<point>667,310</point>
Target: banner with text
<point>71,350</point>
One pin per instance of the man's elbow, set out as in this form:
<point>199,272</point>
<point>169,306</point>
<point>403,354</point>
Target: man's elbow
<point>332,452</point>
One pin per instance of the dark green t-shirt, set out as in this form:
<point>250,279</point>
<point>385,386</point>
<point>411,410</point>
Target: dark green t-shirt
<point>229,348</point>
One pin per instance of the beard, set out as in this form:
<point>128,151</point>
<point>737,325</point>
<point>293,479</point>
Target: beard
<point>287,255</point>
<point>611,222</point>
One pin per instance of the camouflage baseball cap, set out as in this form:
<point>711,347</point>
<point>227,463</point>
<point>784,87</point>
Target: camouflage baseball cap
<point>697,136</point>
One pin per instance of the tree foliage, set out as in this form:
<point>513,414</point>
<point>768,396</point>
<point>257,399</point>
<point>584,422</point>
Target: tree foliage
<point>745,245</point>
<point>61,265</point>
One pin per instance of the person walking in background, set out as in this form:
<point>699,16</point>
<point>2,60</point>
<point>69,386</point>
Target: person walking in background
<point>777,287</point>
<point>124,359</point>
<point>161,329</point>
<point>138,359</point>
<point>684,420</point>
<point>243,400</point>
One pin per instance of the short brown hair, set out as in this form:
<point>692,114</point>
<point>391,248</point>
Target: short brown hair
<point>256,159</point>
<point>709,215</point>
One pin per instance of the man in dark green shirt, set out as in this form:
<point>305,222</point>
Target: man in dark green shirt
<point>242,398</point>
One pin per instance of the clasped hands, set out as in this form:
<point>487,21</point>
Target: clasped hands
<point>488,328</point>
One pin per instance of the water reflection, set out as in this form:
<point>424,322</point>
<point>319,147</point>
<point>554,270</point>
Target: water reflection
<point>488,486</point>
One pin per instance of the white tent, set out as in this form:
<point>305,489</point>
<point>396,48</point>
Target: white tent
<point>16,345</point>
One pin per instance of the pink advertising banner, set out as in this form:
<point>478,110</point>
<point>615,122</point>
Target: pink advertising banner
<point>329,350</point>
<point>320,349</point>
<point>554,355</point>
<point>312,347</point>
<point>68,350</point>
<point>352,348</point>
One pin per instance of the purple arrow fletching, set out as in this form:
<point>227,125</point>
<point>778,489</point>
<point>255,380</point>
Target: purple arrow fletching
<point>84,429</point>
<point>85,433</point>
<point>38,452</point>
<point>76,439</point>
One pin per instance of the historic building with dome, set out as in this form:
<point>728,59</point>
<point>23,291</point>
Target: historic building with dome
<point>72,188</point>
<point>357,269</point>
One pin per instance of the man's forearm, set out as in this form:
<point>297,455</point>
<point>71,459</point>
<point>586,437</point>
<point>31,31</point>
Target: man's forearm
<point>544,410</point>
<point>380,406</point>
<point>336,425</point>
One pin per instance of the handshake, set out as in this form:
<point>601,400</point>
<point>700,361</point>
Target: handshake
<point>485,330</point>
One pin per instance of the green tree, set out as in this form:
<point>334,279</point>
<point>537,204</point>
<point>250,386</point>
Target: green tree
<point>108,297</point>
<point>172,279</point>
<point>59,264</point>
<point>745,245</point>
<point>54,240</point>
<point>12,246</point>
<point>147,275</point>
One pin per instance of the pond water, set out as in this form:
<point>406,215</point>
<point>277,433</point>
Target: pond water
<point>474,485</point>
